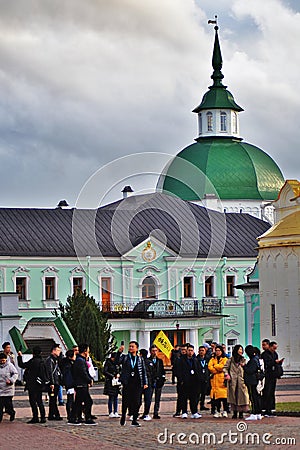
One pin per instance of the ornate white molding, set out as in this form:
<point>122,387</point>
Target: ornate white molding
<point>77,269</point>
<point>149,268</point>
<point>209,270</point>
<point>106,270</point>
<point>50,304</point>
<point>188,270</point>
<point>50,269</point>
<point>230,269</point>
<point>248,270</point>
<point>21,269</point>
<point>232,320</point>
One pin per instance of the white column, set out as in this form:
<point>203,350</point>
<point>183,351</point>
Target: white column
<point>216,335</point>
<point>133,335</point>
<point>146,340</point>
<point>141,339</point>
<point>193,339</point>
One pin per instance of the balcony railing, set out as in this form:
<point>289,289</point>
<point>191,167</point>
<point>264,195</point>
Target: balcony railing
<point>152,308</point>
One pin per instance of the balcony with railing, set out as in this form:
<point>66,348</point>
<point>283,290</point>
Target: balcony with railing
<point>153,308</point>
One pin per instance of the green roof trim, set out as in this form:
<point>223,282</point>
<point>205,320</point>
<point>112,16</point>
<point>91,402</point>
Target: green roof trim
<point>18,340</point>
<point>65,332</point>
<point>61,327</point>
<point>228,168</point>
<point>218,98</point>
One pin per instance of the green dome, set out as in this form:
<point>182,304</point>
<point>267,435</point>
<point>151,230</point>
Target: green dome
<point>226,167</point>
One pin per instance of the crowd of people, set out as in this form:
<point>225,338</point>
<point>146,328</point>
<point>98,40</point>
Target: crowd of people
<point>235,385</point>
<point>75,372</point>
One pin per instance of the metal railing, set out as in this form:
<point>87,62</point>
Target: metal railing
<point>151,308</point>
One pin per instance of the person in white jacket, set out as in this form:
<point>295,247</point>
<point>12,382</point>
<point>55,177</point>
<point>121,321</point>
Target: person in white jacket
<point>8,377</point>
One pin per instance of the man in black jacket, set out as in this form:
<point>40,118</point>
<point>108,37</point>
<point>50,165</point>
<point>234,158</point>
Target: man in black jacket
<point>35,371</point>
<point>55,378</point>
<point>204,377</point>
<point>82,381</point>
<point>270,357</point>
<point>156,382</point>
<point>188,376</point>
<point>134,380</point>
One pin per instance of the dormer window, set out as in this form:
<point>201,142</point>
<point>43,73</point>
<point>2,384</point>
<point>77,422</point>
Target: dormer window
<point>209,117</point>
<point>223,121</point>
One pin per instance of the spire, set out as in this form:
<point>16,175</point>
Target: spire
<point>217,62</point>
<point>217,97</point>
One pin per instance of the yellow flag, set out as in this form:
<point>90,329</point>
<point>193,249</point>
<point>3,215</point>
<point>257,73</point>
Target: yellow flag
<point>162,342</point>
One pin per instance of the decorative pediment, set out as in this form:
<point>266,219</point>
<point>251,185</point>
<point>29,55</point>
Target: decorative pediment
<point>232,334</point>
<point>106,271</point>
<point>188,270</point>
<point>77,269</point>
<point>50,269</point>
<point>148,251</point>
<point>149,268</point>
<point>231,269</point>
<point>209,270</point>
<point>21,269</point>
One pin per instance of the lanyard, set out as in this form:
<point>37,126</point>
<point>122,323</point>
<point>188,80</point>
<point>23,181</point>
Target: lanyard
<point>202,361</point>
<point>132,362</point>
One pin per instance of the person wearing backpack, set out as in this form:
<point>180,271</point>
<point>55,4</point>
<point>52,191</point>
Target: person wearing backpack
<point>34,371</point>
<point>252,375</point>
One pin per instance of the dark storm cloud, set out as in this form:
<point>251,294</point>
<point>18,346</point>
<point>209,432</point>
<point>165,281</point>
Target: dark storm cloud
<point>84,82</point>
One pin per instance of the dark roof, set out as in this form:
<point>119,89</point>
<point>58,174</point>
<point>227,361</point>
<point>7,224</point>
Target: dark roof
<point>113,230</point>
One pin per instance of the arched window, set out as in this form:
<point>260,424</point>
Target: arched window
<point>223,121</point>
<point>209,117</point>
<point>149,288</point>
<point>200,123</point>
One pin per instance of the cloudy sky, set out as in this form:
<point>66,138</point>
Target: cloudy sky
<point>86,82</point>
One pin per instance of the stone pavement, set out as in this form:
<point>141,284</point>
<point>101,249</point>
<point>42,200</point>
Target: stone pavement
<point>167,433</point>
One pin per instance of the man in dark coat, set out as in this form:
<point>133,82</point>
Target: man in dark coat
<point>270,357</point>
<point>188,375</point>
<point>134,380</point>
<point>82,381</point>
<point>183,351</point>
<point>35,371</point>
<point>55,378</point>
<point>156,382</point>
<point>204,386</point>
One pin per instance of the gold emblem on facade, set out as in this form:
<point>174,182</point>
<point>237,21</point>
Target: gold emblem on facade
<point>148,254</point>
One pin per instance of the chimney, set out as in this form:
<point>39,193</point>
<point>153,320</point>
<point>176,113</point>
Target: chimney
<point>62,204</point>
<point>127,191</point>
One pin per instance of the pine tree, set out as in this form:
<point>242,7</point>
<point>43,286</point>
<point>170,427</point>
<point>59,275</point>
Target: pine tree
<point>88,330</point>
<point>89,324</point>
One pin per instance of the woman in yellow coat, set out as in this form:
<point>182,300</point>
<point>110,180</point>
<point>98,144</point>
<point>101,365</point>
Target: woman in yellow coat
<point>218,391</point>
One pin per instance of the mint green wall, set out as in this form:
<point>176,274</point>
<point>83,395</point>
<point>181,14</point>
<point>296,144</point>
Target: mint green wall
<point>113,269</point>
<point>122,336</point>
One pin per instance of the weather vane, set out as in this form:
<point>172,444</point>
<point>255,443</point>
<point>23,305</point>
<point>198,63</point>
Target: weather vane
<point>214,22</point>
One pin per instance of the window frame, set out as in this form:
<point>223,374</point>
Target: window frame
<point>25,279</point>
<point>223,121</point>
<point>146,287</point>
<point>209,120</point>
